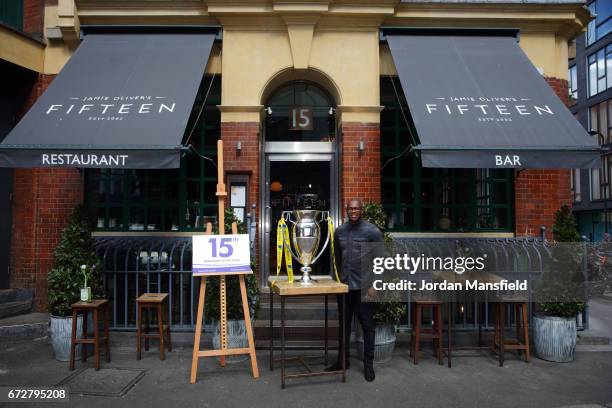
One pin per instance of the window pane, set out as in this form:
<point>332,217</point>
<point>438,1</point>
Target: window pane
<point>592,79</point>
<point>604,28</point>
<point>593,120</point>
<point>603,119</point>
<point>406,193</point>
<point>595,187</point>
<point>406,166</point>
<point>601,63</point>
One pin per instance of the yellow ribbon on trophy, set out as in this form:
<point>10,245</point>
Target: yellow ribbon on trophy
<point>282,242</point>
<point>330,229</point>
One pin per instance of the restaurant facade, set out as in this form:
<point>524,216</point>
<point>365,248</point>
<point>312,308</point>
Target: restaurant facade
<point>450,114</point>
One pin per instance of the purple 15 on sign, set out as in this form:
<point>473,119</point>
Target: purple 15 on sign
<point>221,254</point>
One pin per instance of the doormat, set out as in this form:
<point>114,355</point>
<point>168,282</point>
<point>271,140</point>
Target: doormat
<point>106,382</point>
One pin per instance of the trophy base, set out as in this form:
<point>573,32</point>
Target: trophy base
<point>306,279</point>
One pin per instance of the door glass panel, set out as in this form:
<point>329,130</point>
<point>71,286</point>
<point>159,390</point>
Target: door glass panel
<point>298,185</point>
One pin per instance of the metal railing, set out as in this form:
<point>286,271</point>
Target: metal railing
<point>512,258</point>
<point>132,266</point>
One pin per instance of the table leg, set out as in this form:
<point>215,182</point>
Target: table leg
<point>344,336</point>
<point>84,335</point>
<point>479,327</point>
<point>271,330</point>
<point>326,326</point>
<point>282,342</point>
<point>439,333</point>
<point>450,326</point>
<point>106,334</point>
<point>73,339</point>
<point>139,332</point>
<point>147,310</point>
<point>525,331</point>
<point>96,339</point>
<point>168,323</point>
<point>502,318</point>
<point>160,323</point>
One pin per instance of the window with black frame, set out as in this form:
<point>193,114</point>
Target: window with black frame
<point>599,65</point>
<point>601,25</point>
<point>164,200</point>
<point>300,112</point>
<point>436,200</point>
<point>11,13</point>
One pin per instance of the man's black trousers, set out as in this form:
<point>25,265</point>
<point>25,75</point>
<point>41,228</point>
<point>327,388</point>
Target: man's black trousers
<point>364,311</point>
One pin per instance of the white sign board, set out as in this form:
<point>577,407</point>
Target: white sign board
<point>221,254</point>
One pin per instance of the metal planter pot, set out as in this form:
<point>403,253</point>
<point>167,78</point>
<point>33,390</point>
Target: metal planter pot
<point>236,338</point>
<point>384,342</point>
<point>61,330</point>
<point>554,338</point>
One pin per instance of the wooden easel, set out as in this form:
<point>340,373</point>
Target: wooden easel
<point>224,351</point>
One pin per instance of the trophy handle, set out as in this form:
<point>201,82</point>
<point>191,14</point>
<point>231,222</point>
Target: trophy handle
<point>324,216</point>
<point>322,249</point>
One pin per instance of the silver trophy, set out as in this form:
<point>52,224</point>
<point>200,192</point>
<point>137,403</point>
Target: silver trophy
<point>306,236</point>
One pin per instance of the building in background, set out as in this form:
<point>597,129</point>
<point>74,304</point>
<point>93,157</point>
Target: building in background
<point>308,98</point>
<point>590,90</point>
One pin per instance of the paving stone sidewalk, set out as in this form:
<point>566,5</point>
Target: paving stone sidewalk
<point>474,381</point>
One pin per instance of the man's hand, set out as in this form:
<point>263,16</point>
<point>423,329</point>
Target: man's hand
<point>371,293</point>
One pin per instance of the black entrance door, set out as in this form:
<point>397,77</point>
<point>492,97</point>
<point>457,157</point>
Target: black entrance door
<point>299,185</point>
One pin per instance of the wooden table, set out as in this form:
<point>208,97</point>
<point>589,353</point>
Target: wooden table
<point>146,302</point>
<point>96,307</point>
<point>319,287</point>
<point>481,276</point>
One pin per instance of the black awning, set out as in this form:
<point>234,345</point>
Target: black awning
<point>478,102</point>
<point>121,101</point>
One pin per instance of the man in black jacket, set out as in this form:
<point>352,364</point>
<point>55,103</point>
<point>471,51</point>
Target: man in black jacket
<point>352,238</point>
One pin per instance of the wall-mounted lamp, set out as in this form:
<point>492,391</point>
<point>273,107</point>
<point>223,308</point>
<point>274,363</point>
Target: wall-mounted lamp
<point>239,146</point>
<point>361,146</point>
<point>269,110</point>
<point>331,110</point>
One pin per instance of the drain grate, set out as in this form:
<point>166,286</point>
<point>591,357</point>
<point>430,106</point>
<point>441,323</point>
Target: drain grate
<point>106,382</point>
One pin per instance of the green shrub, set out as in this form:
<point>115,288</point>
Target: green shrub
<point>76,248</point>
<point>385,312</point>
<point>564,274</point>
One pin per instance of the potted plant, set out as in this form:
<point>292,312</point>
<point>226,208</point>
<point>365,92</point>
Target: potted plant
<point>236,328</point>
<point>559,292</point>
<point>387,313</point>
<point>67,277</point>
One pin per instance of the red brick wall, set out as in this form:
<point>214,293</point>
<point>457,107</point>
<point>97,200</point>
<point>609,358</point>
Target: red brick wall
<point>540,192</point>
<point>246,162</point>
<point>43,199</point>
<point>33,12</point>
<point>360,170</point>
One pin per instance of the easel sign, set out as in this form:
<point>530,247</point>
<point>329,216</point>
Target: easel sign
<point>218,256</point>
<point>221,254</point>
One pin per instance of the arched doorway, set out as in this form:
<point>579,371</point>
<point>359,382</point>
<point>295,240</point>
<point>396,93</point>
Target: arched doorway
<point>299,164</point>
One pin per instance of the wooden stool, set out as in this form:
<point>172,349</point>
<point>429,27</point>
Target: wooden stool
<point>149,301</point>
<point>95,307</point>
<point>500,344</point>
<point>435,333</point>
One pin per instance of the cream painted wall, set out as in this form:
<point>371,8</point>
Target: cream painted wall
<point>57,52</point>
<point>545,50</point>
<point>252,59</point>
